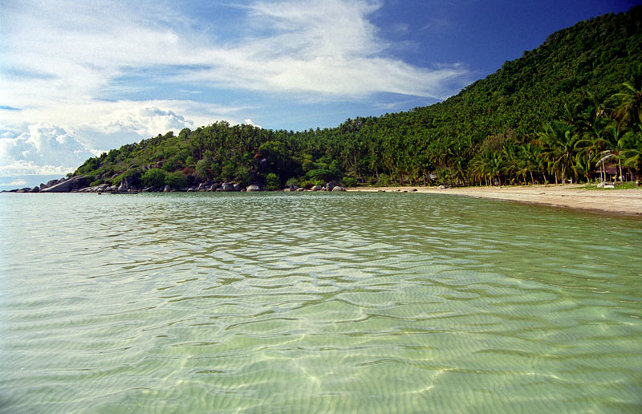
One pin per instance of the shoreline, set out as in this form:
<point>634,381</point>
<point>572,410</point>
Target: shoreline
<point>620,202</point>
<point>613,201</point>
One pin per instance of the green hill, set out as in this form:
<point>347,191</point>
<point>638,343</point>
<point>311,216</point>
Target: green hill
<point>549,116</point>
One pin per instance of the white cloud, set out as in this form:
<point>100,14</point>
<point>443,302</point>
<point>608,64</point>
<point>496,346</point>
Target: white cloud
<point>248,121</point>
<point>324,48</point>
<point>60,59</point>
<point>82,131</point>
<point>43,149</point>
<point>50,149</point>
<point>144,121</point>
<point>307,46</point>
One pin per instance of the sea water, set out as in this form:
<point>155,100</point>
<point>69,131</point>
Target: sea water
<point>350,302</point>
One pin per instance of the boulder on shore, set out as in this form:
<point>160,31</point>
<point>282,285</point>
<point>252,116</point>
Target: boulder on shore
<point>330,186</point>
<point>74,183</point>
<point>253,187</point>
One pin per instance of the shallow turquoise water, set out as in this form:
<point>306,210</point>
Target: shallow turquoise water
<point>275,303</point>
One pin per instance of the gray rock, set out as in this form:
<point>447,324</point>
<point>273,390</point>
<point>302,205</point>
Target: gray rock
<point>253,187</point>
<point>338,188</point>
<point>227,187</point>
<point>97,188</point>
<point>167,188</point>
<point>74,183</point>
<point>124,186</point>
<point>316,188</point>
<point>35,189</point>
<point>330,186</point>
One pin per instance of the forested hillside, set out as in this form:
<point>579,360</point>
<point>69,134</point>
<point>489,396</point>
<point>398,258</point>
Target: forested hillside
<point>550,116</point>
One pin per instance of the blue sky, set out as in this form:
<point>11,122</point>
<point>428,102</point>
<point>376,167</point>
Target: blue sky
<point>78,78</point>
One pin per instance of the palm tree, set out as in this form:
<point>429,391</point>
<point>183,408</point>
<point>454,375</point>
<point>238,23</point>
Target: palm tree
<point>633,158</point>
<point>513,165</point>
<point>496,166</point>
<point>618,146</point>
<point>478,169</point>
<point>558,141</point>
<point>590,145</point>
<point>629,109</point>
<point>529,154</point>
<point>628,149</point>
<point>626,136</point>
<point>604,157</point>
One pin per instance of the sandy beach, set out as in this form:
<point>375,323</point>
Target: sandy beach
<point>612,201</point>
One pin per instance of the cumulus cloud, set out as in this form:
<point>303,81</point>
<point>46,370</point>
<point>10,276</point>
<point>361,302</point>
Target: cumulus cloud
<point>42,150</point>
<point>87,130</point>
<point>145,121</point>
<point>48,149</point>
<point>248,121</point>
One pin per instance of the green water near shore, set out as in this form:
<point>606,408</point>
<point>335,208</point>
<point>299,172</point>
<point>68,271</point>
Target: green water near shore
<point>274,303</point>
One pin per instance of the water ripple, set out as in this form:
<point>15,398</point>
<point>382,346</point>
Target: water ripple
<point>315,303</point>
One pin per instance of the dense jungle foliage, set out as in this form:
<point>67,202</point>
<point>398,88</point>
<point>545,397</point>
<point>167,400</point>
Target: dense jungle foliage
<point>561,112</point>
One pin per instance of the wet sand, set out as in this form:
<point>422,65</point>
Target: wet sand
<point>612,201</point>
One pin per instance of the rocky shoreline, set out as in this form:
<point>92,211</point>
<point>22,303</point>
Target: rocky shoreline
<point>80,184</point>
<point>612,201</point>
